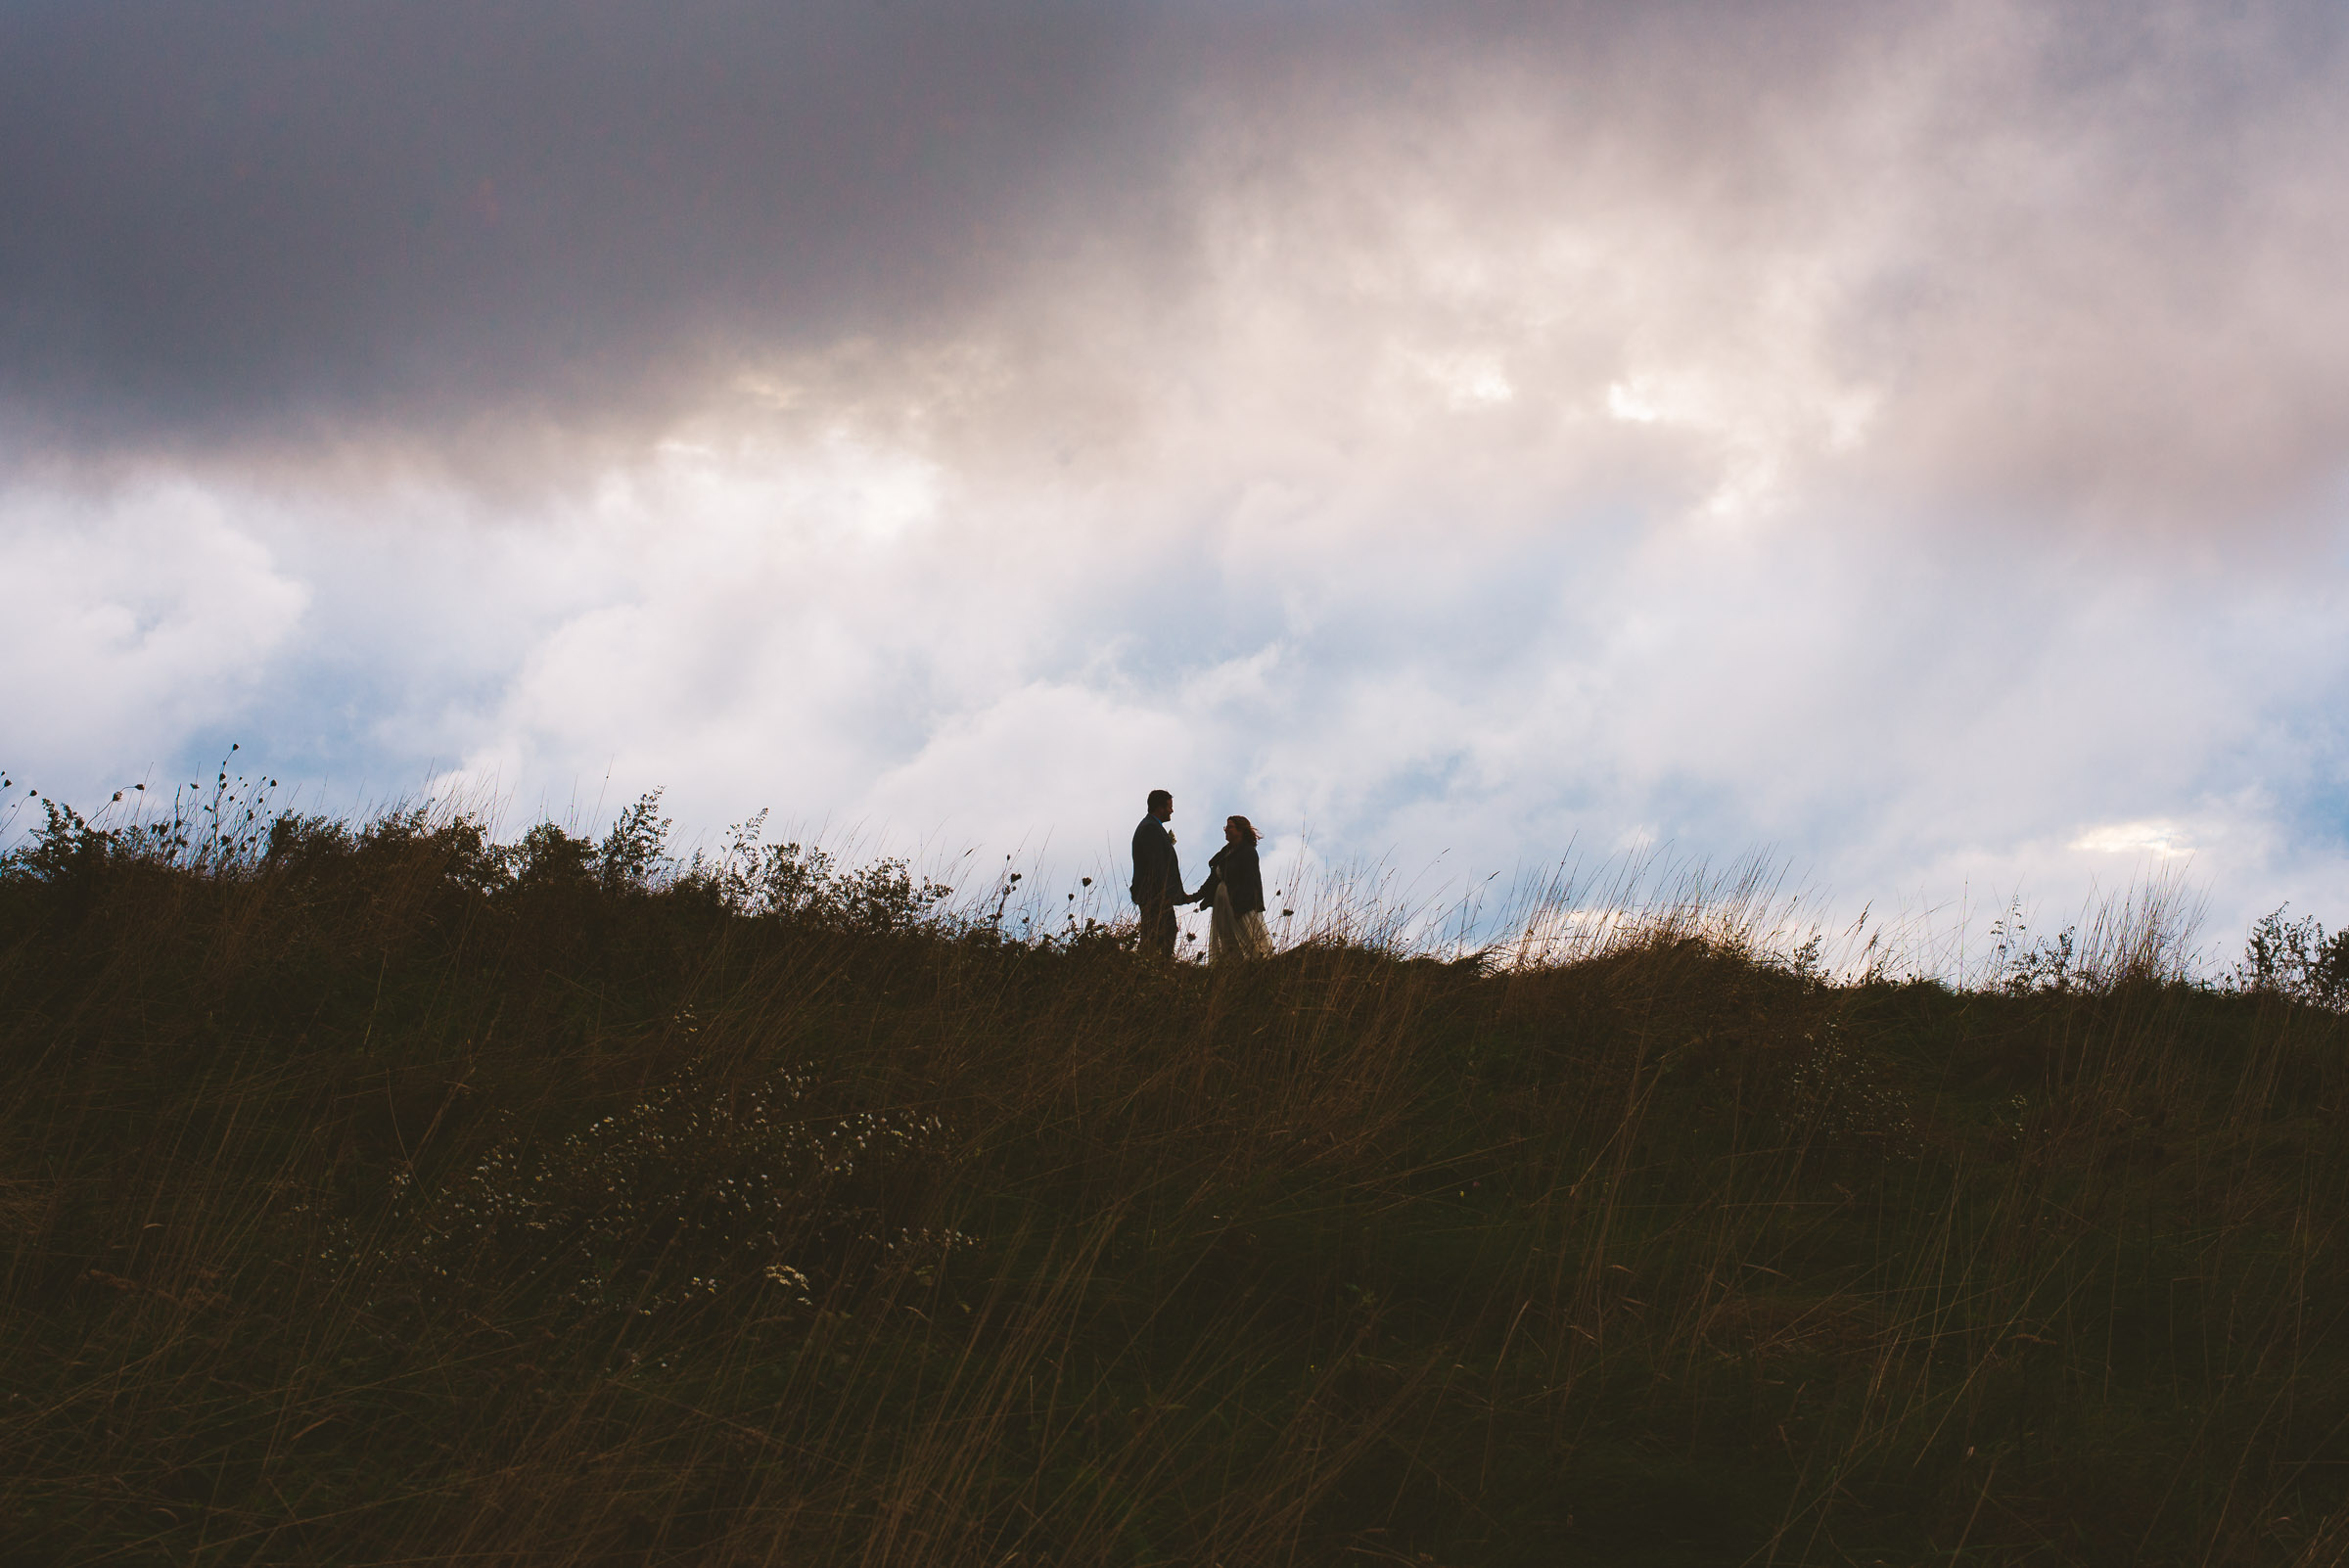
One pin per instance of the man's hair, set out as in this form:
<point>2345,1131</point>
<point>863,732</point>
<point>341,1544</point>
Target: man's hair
<point>1159,798</point>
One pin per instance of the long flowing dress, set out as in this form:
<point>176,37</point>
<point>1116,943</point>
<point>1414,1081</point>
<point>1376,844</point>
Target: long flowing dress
<point>1235,926</point>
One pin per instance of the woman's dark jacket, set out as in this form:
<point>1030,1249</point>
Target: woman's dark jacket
<point>1235,882</point>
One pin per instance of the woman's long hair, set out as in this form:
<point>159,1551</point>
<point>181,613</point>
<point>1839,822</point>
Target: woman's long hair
<point>1245,826</point>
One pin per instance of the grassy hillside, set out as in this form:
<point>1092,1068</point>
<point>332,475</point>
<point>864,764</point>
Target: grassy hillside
<point>392,1196</point>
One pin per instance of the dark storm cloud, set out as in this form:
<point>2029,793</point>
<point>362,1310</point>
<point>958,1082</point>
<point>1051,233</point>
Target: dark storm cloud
<point>2063,253</point>
<point>214,214</point>
<point>223,219</point>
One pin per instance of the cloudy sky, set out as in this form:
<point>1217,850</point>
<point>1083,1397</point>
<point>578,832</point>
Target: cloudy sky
<point>1905,440</point>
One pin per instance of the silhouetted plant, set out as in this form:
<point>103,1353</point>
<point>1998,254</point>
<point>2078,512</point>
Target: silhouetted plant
<point>804,883</point>
<point>634,852</point>
<point>2021,966</point>
<point>63,847</point>
<point>549,857</point>
<point>2296,959</point>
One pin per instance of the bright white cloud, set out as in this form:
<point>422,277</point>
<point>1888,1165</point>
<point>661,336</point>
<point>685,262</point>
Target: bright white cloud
<point>2159,838</point>
<point>141,614</point>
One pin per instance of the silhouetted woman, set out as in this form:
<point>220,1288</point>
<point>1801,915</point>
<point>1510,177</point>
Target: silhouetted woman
<point>1235,896</point>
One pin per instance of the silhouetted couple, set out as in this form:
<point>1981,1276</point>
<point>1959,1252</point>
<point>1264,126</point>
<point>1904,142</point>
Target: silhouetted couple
<point>1233,893</point>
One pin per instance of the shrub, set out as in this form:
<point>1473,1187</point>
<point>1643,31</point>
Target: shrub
<point>2296,959</point>
<point>697,1188</point>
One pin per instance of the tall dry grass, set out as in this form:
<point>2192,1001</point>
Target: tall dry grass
<point>382,1195</point>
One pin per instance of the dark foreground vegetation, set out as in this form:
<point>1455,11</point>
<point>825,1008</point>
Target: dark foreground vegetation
<point>387,1196</point>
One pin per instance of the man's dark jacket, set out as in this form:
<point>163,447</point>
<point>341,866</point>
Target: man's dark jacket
<point>1157,873</point>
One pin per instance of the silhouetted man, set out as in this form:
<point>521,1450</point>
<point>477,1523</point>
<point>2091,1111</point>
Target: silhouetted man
<point>1157,876</point>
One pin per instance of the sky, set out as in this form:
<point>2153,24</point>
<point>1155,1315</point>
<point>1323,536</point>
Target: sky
<point>1906,443</point>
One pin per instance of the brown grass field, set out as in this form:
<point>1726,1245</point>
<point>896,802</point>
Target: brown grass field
<point>376,1194</point>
